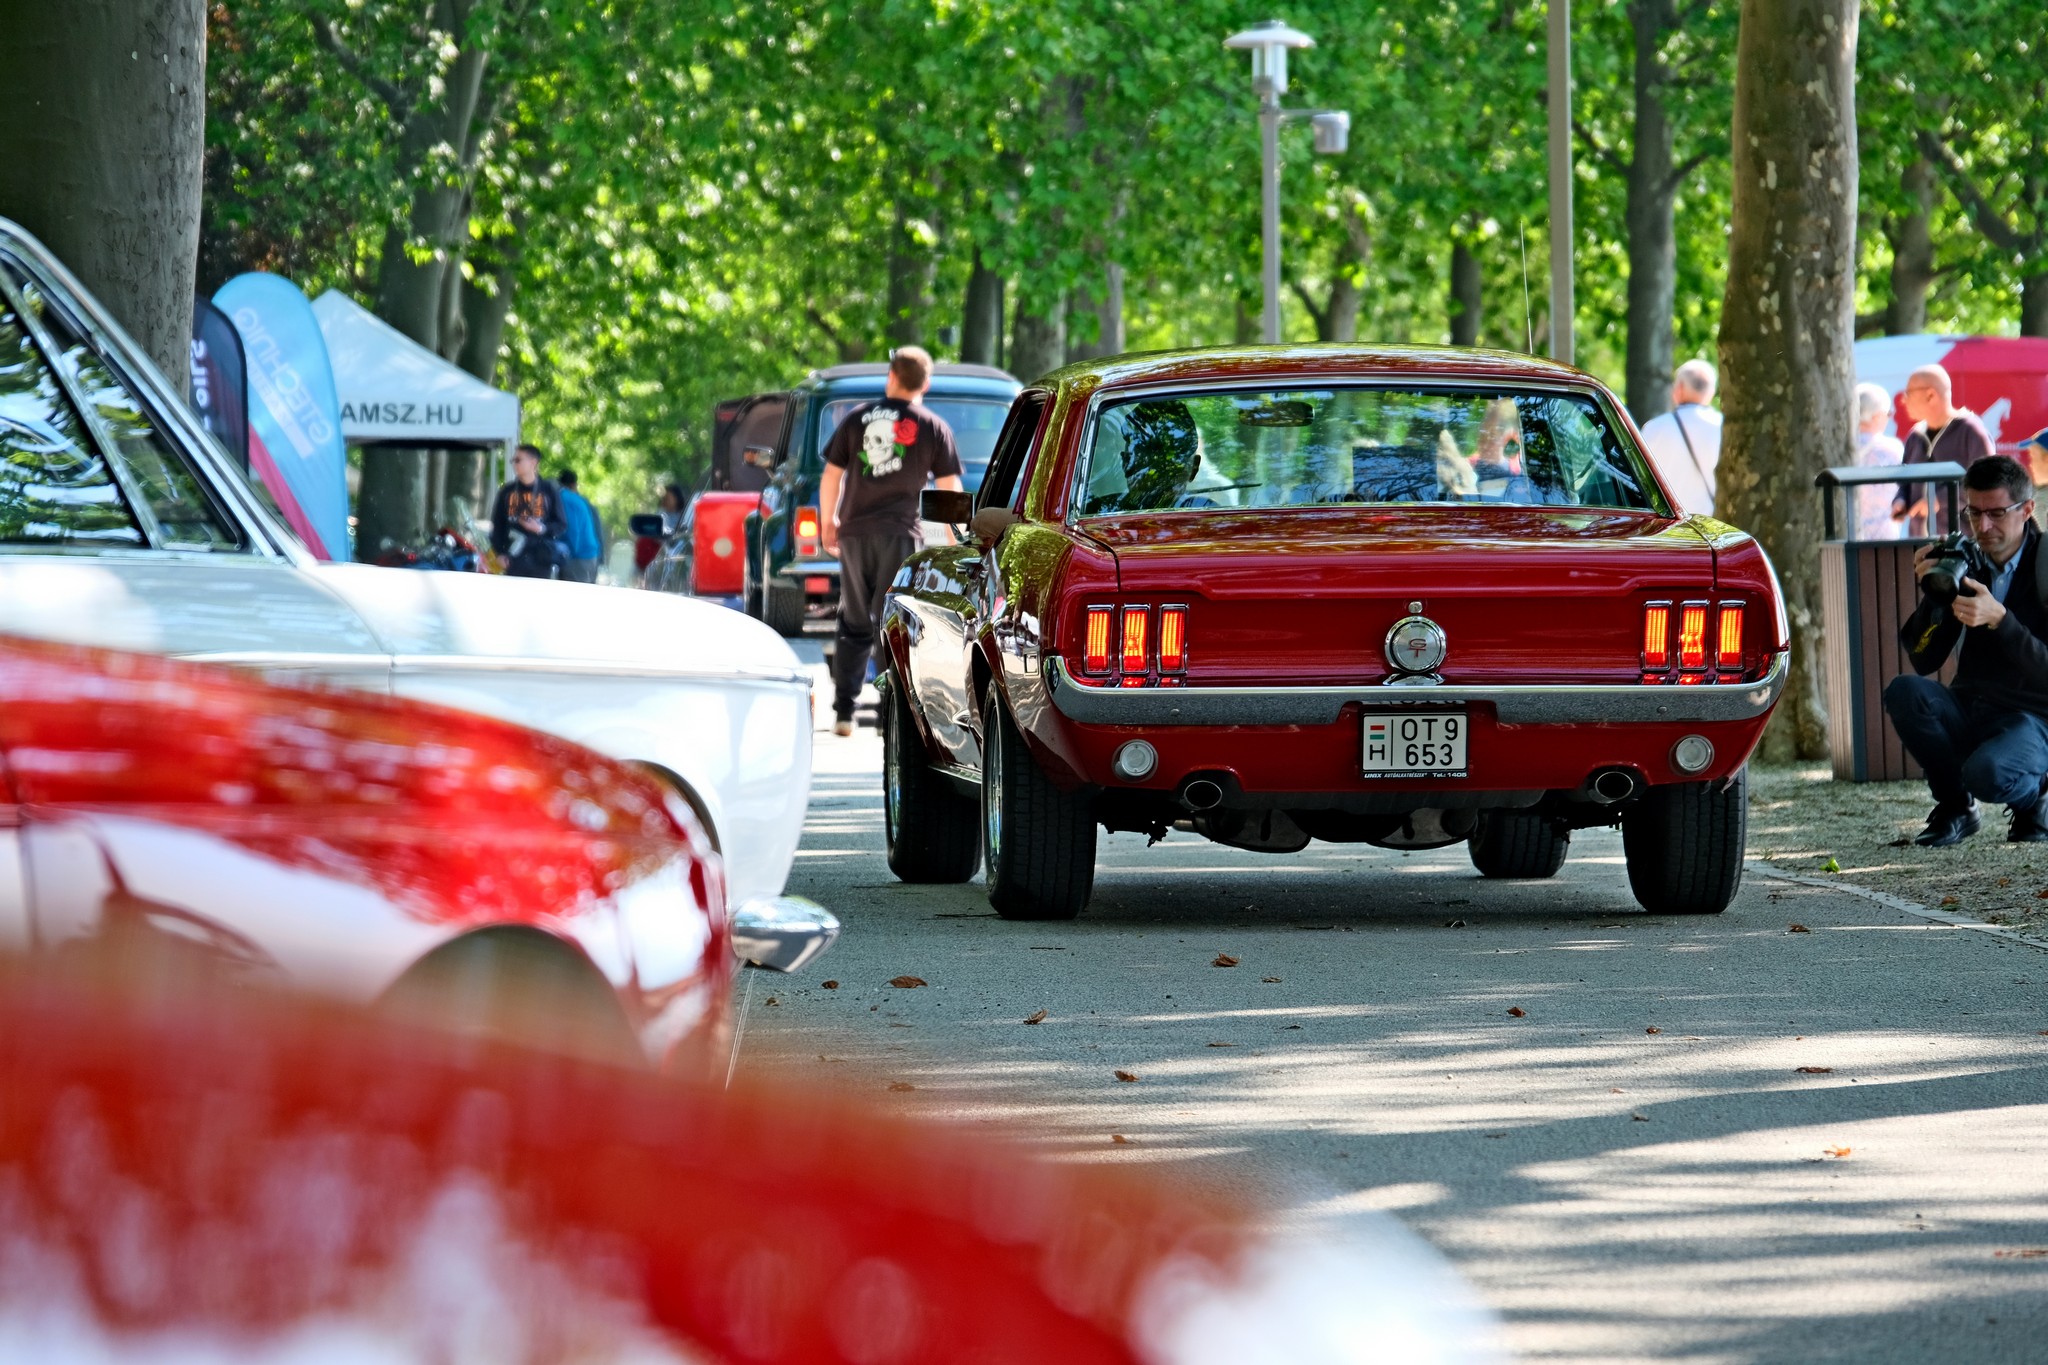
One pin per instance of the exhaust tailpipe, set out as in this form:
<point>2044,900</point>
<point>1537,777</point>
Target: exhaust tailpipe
<point>1610,786</point>
<point>1201,794</point>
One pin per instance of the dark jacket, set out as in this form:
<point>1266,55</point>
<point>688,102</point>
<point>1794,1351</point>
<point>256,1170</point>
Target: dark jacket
<point>2003,669</point>
<point>535,556</point>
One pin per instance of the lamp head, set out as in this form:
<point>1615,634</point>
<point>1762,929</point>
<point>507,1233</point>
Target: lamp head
<point>1268,44</point>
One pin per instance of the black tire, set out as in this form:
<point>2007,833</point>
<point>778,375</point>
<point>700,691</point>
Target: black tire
<point>932,831</point>
<point>1518,845</point>
<point>750,593</point>
<point>783,609</point>
<point>1684,845</point>
<point>1038,842</point>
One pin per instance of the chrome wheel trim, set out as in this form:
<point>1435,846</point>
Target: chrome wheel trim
<point>892,773</point>
<point>992,792</point>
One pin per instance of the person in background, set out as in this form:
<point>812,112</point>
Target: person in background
<point>586,531</point>
<point>879,460</point>
<point>673,501</point>
<point>1685,443</point>
<point>1943,433</point>
<point>2033,454</point>
<point>526,519</point>
<point>1873,447</point>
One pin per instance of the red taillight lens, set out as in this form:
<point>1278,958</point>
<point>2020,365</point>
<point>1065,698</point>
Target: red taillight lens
<point>1096,658</point>
<point>1173,639</point>
<point>1136,620</point>
<point>1692,636</point>
<point>807,542</point>
<point>1657,636</point>
<point>1728,654</point>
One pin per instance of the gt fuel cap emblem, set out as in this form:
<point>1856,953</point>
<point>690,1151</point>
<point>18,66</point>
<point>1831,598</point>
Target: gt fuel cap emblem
<point>1416,644</point>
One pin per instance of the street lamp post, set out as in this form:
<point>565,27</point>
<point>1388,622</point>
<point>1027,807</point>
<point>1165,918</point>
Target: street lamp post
<point>1268,43</point>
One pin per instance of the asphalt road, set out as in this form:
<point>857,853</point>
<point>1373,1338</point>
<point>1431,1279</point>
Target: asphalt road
<point>1711,1140</point>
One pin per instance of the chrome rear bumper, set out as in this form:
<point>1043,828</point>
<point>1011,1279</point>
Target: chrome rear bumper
<point>1627,703</point>
<point>809,568</point>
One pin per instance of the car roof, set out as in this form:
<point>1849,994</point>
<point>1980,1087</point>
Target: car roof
<point>1315,361</point>
<point>944,367</point>
<point>948,381</point>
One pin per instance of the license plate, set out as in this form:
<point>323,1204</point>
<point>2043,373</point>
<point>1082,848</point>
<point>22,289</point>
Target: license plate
<point>1419,744</point>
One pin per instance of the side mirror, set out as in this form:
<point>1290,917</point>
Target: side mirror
<point>989,524</point>
<point>782,934</point>
<point>644,523</point>
<point>760,457</point>
<point>952,506</point>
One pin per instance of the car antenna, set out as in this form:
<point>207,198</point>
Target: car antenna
<point>1528,326</point>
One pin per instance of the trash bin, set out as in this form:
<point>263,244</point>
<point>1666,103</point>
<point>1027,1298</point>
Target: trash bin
<point>1867,592</point>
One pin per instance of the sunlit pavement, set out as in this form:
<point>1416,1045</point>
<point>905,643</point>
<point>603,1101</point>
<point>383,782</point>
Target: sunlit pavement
<point>1634,1169</point>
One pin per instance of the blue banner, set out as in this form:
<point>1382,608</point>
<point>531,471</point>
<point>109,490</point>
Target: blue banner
<point>295,443</point>
<point>218,385</point>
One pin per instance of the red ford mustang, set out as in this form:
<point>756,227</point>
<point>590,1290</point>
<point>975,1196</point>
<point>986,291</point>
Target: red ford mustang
<point>366,849</point>
<point>1398,596</point>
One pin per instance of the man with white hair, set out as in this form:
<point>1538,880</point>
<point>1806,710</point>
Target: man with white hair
<point>1943,433</point>
<point>1874,447</point>
<point>1685,443</point>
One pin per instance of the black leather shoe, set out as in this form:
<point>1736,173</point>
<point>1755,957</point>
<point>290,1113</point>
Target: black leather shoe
<point>1948,825</point>
<point>2027,827</point>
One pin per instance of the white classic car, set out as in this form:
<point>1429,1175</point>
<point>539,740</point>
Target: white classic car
<point>123,524</point>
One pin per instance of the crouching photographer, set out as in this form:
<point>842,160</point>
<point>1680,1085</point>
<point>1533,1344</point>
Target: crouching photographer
<point>1986,737</point>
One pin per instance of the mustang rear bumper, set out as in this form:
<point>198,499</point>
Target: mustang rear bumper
<point>1628,703</point>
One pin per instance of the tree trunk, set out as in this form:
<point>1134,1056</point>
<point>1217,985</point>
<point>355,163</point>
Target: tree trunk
<point>391,503</point>
<point>1912,254</point>
<point>102,139</point>
<point>1652,244</point>
<point>981,316</point>
<point>1038,340</point>
<point>1467,294</point>
<point>2034,306</point>
<point>1788,318</point>
<point>1109,311</point>
<point>910,281</point>
<point>1247,328</point>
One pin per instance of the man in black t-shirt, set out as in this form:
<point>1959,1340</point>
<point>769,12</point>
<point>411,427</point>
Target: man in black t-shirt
<point>876,465</point>
<point>526,519</point>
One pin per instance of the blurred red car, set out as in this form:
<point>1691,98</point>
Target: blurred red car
<point>250,1181</point>
<point>367,849</point>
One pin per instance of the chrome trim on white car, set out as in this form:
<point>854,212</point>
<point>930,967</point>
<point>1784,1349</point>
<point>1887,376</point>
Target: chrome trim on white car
<point>1513,704</point>
<point>484,663</point>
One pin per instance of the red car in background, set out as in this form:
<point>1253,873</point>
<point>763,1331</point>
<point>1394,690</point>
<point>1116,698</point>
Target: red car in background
<point>1398,596</point>
<point>366,849</point>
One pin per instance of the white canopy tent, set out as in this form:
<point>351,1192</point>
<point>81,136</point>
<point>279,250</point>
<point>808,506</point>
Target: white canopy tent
<point>395,391</point>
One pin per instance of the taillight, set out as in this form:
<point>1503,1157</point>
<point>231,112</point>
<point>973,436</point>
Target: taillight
<point>1096,658</point>
<point>1728,651</point>
<point>1136,619</point>
<point>1692,637</point>
<point>1657,637</point>
<point>1173,639</point>
<point>807,542</point>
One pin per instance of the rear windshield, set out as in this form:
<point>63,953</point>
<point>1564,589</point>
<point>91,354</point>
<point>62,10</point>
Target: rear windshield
<point>1323,447</point>
<point>976,423</point>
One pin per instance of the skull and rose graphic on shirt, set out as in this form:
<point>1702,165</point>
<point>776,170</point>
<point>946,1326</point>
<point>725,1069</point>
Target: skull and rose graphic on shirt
<point>886,438</point>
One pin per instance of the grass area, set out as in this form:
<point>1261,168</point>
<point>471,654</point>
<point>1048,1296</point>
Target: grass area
<point>1800,818</point>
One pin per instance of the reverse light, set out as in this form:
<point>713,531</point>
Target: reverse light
<point>1136,621</point>
<point>1657,637</point>
<point>1095,659</point>
<point>1692,637</point>
<point>1728,651</point>
<point>1173,639</point>
<point>807,539</point>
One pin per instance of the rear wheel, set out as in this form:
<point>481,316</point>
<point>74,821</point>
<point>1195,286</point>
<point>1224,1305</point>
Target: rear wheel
<point>932,831</point>
<point>517,986</point>
<point>1038,841</point>
<point>783,608</point>
<point>1684,845</point>
<point>1518,845</point>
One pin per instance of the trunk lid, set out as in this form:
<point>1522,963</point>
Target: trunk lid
<point>1307,595</point>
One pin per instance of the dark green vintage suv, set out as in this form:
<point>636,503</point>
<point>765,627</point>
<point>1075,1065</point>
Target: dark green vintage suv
<point>788,573</point>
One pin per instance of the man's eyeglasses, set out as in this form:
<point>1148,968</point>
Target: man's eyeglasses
<point>1982,515</point>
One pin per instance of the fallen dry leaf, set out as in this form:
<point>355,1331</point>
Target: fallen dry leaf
<point>1951,900</point>
<point>1270,980</point>
<point>908,983</point>
<point>1224,960</point>
<point>1125,1075</point>
<point>1223,1045</point>
<point>829,985</point>
<point>1640,1118</point>
<point>1838,1151</point>
<point>1799,929</point>
<point>771,1000</point>
<point>1815,1070</point>
<point>1119,1139</point>
<point>2041,895</point>
<point>1036,1017</point>
<point>1616,1090</point>
<point>2022,1253</point>
<point>901,1085</point>
<point>1653,1029</point>
<point>1517,1011</point>
<point>2005,881</point>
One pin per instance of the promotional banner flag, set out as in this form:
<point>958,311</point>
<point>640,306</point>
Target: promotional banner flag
<point>295,443</point>
<point>219,386</point>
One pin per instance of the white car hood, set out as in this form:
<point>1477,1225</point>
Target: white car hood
<point>425,614</point>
